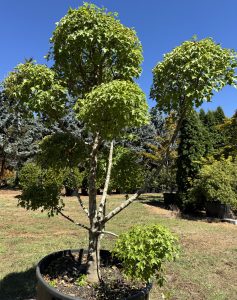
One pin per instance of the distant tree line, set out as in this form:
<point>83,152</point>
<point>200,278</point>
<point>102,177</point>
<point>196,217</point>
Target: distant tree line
<point>207,141</point>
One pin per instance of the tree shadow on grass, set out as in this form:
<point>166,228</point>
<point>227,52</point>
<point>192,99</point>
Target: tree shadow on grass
<point>156,201</point>
<point>18,286</point>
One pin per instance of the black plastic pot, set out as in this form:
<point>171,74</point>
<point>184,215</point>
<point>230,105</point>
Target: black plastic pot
<point>68,191</point>
<point>215,209</point>
<point>47,292</point>
<point>170,199</point>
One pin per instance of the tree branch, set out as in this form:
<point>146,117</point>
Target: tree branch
<point>105,190</point>
<point>92,180</point>
<point>121,207</point>
<point>82,204</point>
<point>172,140</point>
<point>72,221</point>
<point>138,193</point>
<point>108,232</point>
<point>167,150</point>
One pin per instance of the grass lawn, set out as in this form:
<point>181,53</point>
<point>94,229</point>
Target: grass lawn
<point>206,268</point>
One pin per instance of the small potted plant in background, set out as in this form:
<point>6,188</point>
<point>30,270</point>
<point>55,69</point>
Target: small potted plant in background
<point>216,183</point>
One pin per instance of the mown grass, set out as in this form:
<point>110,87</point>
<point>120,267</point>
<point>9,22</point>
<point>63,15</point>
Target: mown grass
<point>206,268</point>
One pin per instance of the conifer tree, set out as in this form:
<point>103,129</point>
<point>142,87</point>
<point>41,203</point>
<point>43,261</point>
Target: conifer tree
<point>213,120</point>
<point>219,115</point>
<point>202,115</point>
<point>192,147</point>
<point>19,137</point>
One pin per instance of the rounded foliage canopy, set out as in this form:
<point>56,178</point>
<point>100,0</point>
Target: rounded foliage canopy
<point>41,187</point>
<point>190,73</point>
<point>127,173</point>
<point>36,88</point>
<point>112,107</point>
<point>90,46</point>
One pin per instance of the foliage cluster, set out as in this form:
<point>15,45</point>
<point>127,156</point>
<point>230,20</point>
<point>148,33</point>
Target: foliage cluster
<point>205,143</point>
<point>216,181</point>
<point>127,174</point>
<point>90,47</point>
<point>60,150</point>
<point>113,106</point>
<point>190,73</point>
<point>40,188</point>
<point>39,85</point>
<point>144,249</point>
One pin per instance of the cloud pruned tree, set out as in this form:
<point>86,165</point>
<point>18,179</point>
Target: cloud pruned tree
<point>189,75</point>
<point>96,57</point>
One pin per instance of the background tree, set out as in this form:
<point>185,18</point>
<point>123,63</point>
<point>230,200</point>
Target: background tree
<point>191,148</point>
<point>202,115</point>
<point>19,137</point>
<point>216,137</point>
<point>229,131</point>
<point>188,76</point>
<point>162,167</point>
<point>219,115</point>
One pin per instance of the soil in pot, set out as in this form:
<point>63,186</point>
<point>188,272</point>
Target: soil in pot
<point>66,274</point>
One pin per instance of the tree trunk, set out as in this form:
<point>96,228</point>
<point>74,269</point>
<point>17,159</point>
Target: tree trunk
<point>2,168</point>
<point>93,257</point>
<point>93,260</point>
<point>2,171</point>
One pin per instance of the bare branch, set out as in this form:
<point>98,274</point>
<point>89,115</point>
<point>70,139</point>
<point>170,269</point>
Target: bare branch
<point>167,150</point>
<point>92,178</point>
<point>105,190</point>
<point>108,232</point>
<point>82,204</point>
<point>172,140</point>
<point>72,221</point>
<point>121,207</point>
<point>72,173</point>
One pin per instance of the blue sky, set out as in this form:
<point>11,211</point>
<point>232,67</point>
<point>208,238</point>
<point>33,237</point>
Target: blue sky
<point>161,25</point>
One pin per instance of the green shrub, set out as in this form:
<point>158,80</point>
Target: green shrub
<point>217,182</point>
<point>41,188</point>
<point>72,178</point>
<point>143,251</point>
<point>127,174</point>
